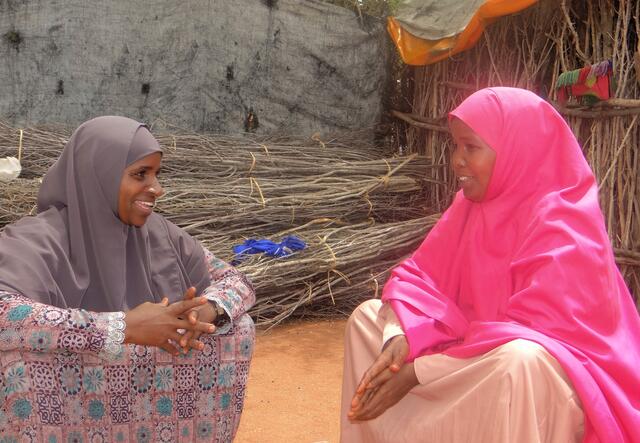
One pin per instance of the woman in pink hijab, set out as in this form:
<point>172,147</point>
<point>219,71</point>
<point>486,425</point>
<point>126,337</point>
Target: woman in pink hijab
<point>511,322</point>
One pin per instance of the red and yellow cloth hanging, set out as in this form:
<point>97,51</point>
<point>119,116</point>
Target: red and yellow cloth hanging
<point>418,51</point>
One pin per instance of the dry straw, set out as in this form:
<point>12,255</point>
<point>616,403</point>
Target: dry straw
<point>358,212</point>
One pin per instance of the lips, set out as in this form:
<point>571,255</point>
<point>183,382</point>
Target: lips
<point>144,206</point>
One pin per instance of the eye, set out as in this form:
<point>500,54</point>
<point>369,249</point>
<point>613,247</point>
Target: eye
<point>139,175</point>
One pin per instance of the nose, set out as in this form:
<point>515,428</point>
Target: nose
<point>457,158</point>
<point>156,189</point>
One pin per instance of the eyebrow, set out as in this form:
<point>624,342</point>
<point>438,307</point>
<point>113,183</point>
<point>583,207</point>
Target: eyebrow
<point>472,139</point>
<point>145,168</point>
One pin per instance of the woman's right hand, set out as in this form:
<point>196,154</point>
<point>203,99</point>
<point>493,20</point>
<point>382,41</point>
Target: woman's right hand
<point>154,324</point>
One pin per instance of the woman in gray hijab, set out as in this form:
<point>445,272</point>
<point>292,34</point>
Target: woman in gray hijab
<point>101,335</point>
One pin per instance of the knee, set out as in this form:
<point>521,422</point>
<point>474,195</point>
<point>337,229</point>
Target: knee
<point>245,330</point>
<point>245,337</point>
<point>362,317</point>
<point>245,325</point>
<point>521,353</point>
<point>365,309</point>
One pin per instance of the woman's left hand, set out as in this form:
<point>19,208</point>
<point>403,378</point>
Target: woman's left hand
<point>393,355</point>
<point>376,400</point>
<point>204,313</point>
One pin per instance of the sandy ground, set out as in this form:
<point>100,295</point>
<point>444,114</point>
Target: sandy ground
<point>293,393</point>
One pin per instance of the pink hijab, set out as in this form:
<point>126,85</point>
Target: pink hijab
<point>533,261</point>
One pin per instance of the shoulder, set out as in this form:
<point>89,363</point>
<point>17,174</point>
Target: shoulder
<point>554,223</point>
<point>47,227</point>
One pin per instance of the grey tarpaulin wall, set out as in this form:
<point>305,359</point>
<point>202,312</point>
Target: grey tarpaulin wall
<point>436,19</point>
<point>207,65</point>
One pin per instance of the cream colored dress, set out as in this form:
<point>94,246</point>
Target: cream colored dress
<point>515,393</point>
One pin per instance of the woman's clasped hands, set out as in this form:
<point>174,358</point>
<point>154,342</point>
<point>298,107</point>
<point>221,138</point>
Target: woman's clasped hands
<point>168,326</point>
<point>385,383</point>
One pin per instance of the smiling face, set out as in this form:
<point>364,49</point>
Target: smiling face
<point>139,189</point>
<point>472,160</point>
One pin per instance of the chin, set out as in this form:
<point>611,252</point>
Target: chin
<point>473,197</point>
<point>137,222</point>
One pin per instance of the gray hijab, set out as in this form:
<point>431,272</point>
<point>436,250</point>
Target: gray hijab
<point>76,252</point>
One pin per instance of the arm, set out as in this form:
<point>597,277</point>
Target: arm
<point>229,289</point>
<point>389,378</point>
<point>29,326</point>
<point>392,327</point>
<point>384,370</point>
<point>430,319</point>
<point>36,327</point>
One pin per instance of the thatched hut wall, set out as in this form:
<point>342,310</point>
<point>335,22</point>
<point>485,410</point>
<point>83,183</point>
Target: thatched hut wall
<point>530,50</point>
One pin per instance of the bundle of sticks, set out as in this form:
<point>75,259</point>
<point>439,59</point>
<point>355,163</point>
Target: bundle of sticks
<point>358,210</point>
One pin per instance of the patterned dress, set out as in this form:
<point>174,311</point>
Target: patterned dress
<point>66,375</point>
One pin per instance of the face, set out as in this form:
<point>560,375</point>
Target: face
<point>472,160</point>
<point>139,190</point>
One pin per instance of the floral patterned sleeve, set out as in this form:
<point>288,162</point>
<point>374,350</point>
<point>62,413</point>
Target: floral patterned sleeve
<point>29,326</point>
<point>229,288</point>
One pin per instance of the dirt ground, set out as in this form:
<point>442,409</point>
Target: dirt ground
<point>294,386</point>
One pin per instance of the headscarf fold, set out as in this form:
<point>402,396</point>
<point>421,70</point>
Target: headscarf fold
<point>533,261</point>
<point>76,253</point>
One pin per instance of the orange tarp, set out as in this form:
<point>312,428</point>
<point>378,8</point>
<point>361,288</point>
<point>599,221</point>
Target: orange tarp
<point>417,51</point>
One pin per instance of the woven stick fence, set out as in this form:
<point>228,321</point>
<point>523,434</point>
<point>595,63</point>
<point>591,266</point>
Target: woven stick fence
<point>530,50</point>
<point>358,213</point>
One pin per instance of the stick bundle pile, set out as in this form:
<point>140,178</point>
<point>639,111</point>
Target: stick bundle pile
<point>358,212</point>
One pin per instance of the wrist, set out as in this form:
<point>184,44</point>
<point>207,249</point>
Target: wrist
<point>127,327</point>
<point>220,315</point>
<point>392,340</point>
<point>411,377</point>
<point>209,311</point>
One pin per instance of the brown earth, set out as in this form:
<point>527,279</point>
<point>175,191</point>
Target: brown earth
<point>293,394</point>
